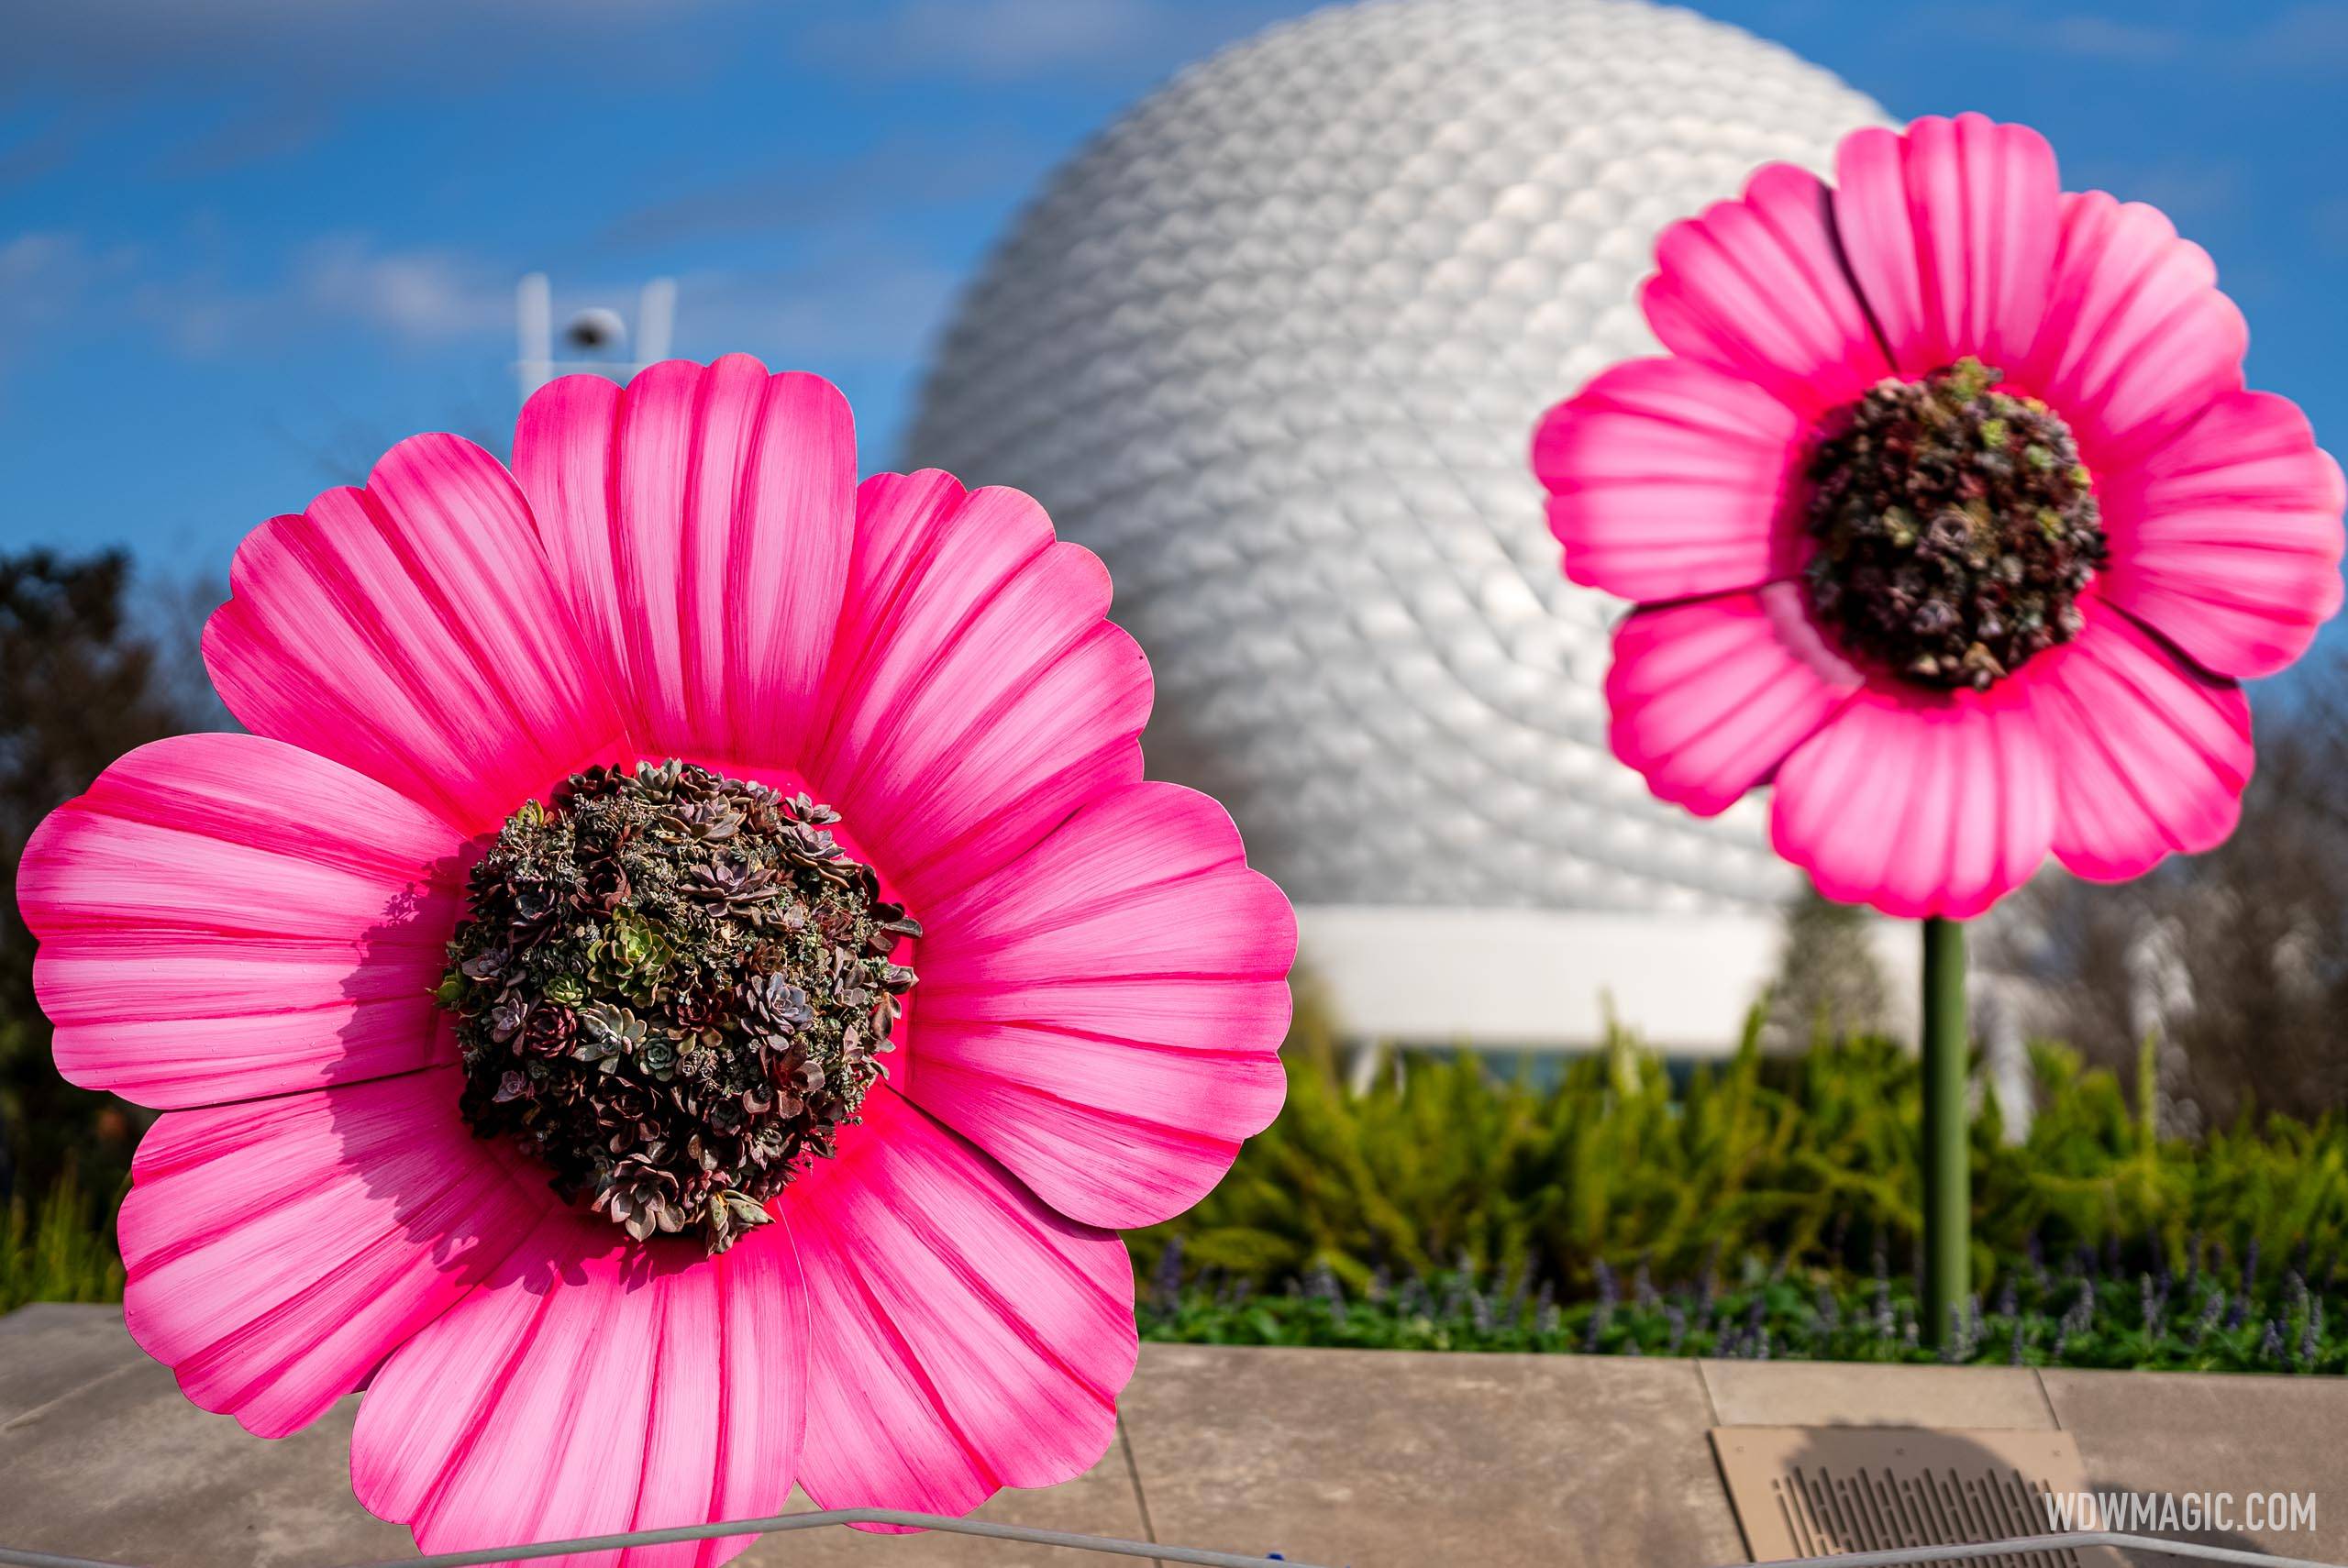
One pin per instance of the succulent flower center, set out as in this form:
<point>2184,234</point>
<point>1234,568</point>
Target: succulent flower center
<point>673,988</point>
<point>1956,528</point>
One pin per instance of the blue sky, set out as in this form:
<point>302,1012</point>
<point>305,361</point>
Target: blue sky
<point>247,244</point>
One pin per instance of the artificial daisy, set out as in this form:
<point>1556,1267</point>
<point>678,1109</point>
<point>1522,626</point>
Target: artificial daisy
<point>1948,513</point>
<point>678,989</point>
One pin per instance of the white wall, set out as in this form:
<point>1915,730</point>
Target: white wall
<point>1533,978</point>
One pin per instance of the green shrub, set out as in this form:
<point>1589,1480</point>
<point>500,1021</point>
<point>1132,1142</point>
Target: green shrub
<point>1807,1162</point>
<point>60,1250</point>
<point>2077,1317</point>
<point>1760,1206</point>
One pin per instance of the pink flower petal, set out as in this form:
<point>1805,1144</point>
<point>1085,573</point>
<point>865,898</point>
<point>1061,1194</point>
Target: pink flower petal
<point>1707,697</point>
<point>1668,479</point>
<point>1918,802</point>
<point>590,1387</point>
<point>1757,288</point>
<point>2150,754</point>
<point>1179,1012</point>
<point>224,916</point>
<point>2137,339</point>
<point>2227,538</point>
<point>413,631</point>
<point>1950,228</point>
<point>1147,886</point>
<point>277,1251</point>
<point>976,696</point>
<point>699,522</point>
<point>962,1336</point>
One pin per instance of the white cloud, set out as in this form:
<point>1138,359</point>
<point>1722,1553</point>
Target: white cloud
<point>45,278</point>
<point>2106,38</point>
<point>2330,221</point>
<point>40,272</point>
<point>2309,39</point>
<point>284,42</point>
<point>896,176</point>
<point>420,295</point>
<point>198,314</point>
<point>1019,39</point>
<point>850,308</point>
<point>1011,38</point>
<point>2190,190</point>
<point>851,302</point>
<point>886,313</point>
<point>195,302</point>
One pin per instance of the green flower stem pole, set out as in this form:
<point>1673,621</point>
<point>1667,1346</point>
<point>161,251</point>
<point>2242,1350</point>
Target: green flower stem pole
<point>1948,1188</point>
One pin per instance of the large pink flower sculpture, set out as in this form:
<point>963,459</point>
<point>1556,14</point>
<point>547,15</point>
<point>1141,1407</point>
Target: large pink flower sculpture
<point>1948,513</point>
<point>520,1013</point>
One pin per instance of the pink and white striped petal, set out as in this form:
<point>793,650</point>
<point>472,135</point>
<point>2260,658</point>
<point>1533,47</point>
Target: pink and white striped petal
<point>976,696</point>
<point>2151,755</point>
<point>277,1251</point>
<point>224,916</point>
<point>2227,538</point>
<point>413,631</point>
<point>2137,340</point>
<point>1668,479</point>
<point>1920,802</point>
<point>1950,228</point>
<point>698,522</point>
<point>589,1388</point>
<point>1757,288</point>
<point>962,1336</point>
<point>1148,889</point>
<point>1709,696</point>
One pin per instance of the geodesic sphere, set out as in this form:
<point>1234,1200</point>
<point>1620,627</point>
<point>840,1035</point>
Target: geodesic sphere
<point>1274,344</point>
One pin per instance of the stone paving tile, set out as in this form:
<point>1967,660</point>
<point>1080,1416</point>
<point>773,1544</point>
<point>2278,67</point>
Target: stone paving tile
<point>49,1349</point>
<point>1100,1502</point>
<point>1361,1459</point>
<point>104,1457</point>
<point>1387,1459</point>
<point>1843,1394</point>
<point>2215,1433</point>
<point>126,1469</point>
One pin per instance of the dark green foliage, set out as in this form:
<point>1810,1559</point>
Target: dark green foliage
<point>79,687</point>
<point>1955,528</point>
<point>671,989</point>
<point>1762,1207</point>
<point>1805,1162</point>
<point>2074,1317</point>
<point>59,1250</point>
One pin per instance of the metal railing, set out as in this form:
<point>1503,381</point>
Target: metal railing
<point>1192,1557</point>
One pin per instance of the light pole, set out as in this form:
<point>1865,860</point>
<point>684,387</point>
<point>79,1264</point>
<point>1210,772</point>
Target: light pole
<point>596,337</point>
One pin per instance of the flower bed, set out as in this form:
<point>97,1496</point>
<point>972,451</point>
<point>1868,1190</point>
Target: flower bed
<point>2080,1314</point>
<point>1525,1213</point>
<point>1763,1207</point>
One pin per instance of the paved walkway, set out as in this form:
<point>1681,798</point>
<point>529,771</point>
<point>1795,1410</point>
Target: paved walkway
<point>1372,1459</point>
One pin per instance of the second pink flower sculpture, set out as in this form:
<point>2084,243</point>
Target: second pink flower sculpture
<point>517,848</point>
<point>1949,515</point>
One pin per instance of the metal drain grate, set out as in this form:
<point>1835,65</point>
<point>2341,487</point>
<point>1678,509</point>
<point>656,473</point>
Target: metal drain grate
<point>1827,1491</point>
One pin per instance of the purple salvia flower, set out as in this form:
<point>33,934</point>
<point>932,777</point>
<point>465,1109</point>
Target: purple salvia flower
<point>1166,1285</point>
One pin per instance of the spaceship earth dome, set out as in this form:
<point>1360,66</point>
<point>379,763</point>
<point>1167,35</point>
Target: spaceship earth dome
<point>1273,345</point>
